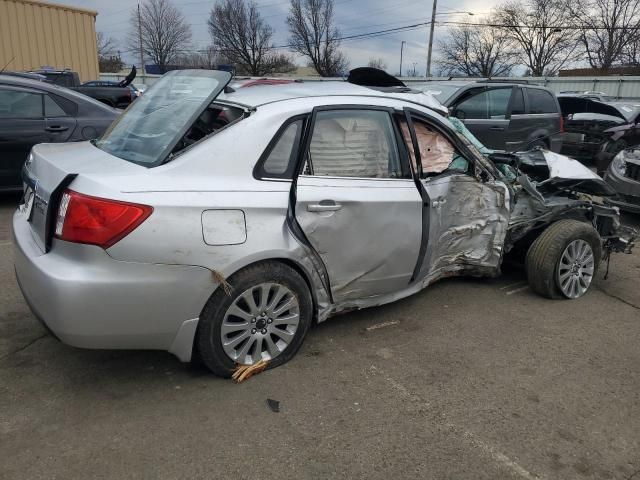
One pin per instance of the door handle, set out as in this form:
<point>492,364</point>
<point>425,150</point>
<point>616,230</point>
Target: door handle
<point>322,207</point>
<point>501,129</point>
<point>56,128</point>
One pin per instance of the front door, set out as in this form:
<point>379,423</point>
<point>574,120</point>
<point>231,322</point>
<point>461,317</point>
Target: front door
<point>485,112</point>
<point>357,203</point>
<point>467,209</point>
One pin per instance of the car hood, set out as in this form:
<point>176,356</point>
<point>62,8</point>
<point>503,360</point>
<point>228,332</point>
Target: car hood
<point>574,105</point>
<point>553,169</point>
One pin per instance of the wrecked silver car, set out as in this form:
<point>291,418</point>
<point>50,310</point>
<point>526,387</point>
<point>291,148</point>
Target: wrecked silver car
<point>222,223</point>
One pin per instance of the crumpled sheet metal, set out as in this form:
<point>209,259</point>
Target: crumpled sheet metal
<point>474,217</point>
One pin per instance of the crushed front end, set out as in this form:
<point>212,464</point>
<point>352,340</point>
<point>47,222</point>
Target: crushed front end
<point>549,187</point>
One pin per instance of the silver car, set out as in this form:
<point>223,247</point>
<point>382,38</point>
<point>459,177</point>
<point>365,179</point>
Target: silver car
<point>224,223</point>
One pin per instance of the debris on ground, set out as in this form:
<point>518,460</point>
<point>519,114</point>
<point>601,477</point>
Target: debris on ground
<point>274,405</point>
<point>244,372</point>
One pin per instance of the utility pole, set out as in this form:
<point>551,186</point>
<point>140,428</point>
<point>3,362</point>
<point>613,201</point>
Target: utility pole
<point>433,24</point>
<point>140,40</point>
<point>401,48</point>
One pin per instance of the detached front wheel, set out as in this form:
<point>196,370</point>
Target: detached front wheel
<point>564,259</point>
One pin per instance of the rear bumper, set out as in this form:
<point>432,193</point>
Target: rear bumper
<point>87,299</point>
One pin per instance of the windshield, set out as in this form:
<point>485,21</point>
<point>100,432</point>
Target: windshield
<point>150,128</point>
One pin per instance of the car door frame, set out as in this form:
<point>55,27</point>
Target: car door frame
<point>303,150</point>
<point>483,171</point>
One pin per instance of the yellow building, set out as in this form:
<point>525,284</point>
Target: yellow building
<point>34,34</point>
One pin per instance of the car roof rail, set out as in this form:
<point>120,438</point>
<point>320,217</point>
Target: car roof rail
<point>492,80</point>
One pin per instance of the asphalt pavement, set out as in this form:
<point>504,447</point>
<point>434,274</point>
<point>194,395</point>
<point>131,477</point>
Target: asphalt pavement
<point>469,379</point>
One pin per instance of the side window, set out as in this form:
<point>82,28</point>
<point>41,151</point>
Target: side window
<point>517,106</point>
<point>354,143</point>
<point>52,109</point>
<point>20,104</point>
<point>281,155</point>
<point>487,104</point>
<point>437,153</point>
<point>541,101</point>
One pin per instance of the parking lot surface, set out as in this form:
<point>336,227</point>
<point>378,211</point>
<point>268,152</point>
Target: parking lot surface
<point>469,379</point>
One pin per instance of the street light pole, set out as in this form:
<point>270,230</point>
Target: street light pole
<point>144,78</point>
<point>401,48</point>
<point>433,23</point>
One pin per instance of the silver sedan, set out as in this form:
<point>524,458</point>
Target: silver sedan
<point>224,223</point>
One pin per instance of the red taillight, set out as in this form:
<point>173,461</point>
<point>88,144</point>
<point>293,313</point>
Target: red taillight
<point>97,221</point>
<point>561,124</point>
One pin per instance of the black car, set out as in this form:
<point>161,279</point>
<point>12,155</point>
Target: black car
<point>135,91</point>
<point>118,95</point>
<point>503,115</point>
<point>33,111</point>
<point>597,131</point>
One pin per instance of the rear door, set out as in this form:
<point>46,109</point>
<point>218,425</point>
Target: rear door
<point>22,125</point>
<point>357,204</point>
<point>543,118</point>
<point>485,112</point>
<point>467,209</point>
<point>60,121</point>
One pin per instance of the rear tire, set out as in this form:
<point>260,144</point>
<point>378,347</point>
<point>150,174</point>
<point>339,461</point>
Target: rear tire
<point>549,265</point>
<point>270,333</point>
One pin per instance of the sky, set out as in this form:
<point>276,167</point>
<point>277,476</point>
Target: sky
<point>352,17</point>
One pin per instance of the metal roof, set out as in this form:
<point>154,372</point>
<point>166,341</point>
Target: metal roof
<point>264,94</point>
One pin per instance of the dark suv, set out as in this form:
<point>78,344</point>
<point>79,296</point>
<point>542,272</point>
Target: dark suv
<point>503,115</point>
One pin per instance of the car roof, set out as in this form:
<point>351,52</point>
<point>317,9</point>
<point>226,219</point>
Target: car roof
<point>264,94</point>
<point>21,81</point>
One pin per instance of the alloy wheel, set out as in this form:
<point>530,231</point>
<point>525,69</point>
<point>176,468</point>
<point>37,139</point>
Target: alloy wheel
<point>575,269</point>
<point>260,323</point>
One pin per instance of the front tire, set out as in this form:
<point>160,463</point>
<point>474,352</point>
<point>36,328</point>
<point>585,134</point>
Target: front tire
<point>564,259</point>
<point>265,316</point>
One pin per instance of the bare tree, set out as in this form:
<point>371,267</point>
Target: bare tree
<point>608,29</point>
<point>106,45</point>
<point>240,33</point>
<point>165,32</point>
<point>474,51</point>
<point>377,63</point>
<point>108,57</point>
<point>283,63</point>
<point>207,58</point>
<point>631,54</point>
<point>536,26</point>
<point>314,35</point>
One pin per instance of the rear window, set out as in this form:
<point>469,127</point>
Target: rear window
<point>280,157</point>
<point>541,101</point>
<point>172,115</point>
